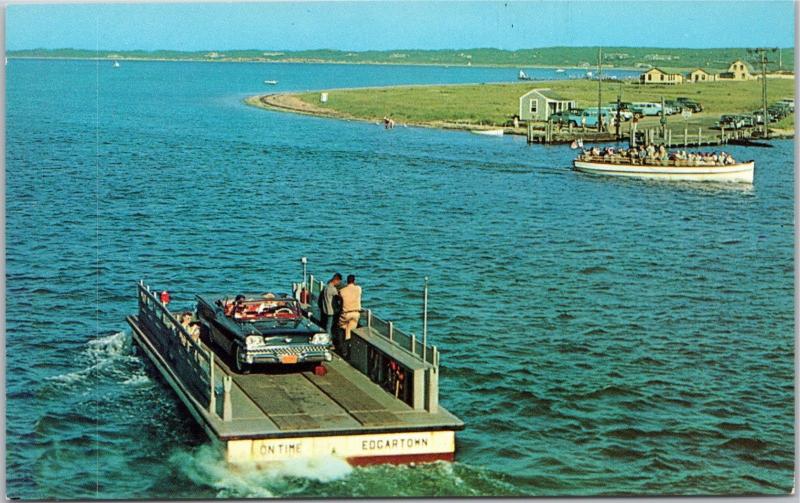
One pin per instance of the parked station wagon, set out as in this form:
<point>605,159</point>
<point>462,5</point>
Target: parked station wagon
<point>269,328</point>
<point>642,109</point>
<point>576,116</point>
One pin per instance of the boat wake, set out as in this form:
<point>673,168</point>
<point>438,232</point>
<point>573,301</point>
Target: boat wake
<point>206,466</point>
<point>109,356</point>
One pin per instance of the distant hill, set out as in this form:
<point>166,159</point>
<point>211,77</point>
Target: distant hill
<point>619,57</point>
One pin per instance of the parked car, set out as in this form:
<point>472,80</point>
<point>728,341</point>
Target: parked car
<point>674,106</point>
<point>267,328</point>
<point>575,116</point>
<point>758,115</point>
<point>730,121</point>
<point>747,120</point>
<point>789,102</point>
<point>690,104</point>
<point>641,109</point>
<point>781,109</point>
<point>624,111</point>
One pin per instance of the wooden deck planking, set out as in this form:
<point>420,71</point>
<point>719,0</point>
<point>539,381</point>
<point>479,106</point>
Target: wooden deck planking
<point>293,403</point>
<point>358,403</point>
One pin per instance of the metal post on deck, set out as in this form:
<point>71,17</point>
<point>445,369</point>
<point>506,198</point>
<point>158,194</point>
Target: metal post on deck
<point>699,136</point>
<point>391,329</point>
<point>685,136</point>
<point>425,321</point>
<point>304,261</point>
<point>413,344</point>
<point>227,406</point>
<point>212,401</point>
<point>369,321</point>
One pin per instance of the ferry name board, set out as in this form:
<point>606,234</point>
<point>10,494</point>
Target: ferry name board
<point>345,446</point>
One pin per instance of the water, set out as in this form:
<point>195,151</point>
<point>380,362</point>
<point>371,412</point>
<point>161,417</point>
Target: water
<point>598,336</point>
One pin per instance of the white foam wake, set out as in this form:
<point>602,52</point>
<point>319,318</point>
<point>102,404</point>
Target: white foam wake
<point>107,354</point>
<point>207,466</point>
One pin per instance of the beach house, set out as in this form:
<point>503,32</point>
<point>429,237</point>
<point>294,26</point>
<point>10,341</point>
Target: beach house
<point>738,70</point>
<point>659,76</point>
<point>700,75</point>
<point>539,104</point>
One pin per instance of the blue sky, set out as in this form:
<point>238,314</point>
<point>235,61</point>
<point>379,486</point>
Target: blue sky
<point>401,25</point>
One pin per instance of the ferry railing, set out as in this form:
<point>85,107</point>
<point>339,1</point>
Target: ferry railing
<point>380,327</point>
<point>190,360</point>
<point>418,376</point>
<point>647,161</point>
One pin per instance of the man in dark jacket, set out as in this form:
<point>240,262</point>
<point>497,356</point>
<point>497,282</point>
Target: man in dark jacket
<point>328,303</point>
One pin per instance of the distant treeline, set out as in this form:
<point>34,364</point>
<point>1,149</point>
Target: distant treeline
<point>628,57</point>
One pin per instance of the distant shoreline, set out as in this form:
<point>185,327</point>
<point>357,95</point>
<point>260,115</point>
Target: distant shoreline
<point>325,62</point>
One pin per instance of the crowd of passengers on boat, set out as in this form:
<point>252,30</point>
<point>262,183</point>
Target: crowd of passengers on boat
<point>653,155</point>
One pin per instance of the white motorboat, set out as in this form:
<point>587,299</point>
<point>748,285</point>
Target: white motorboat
<point>271,82</point>
<point>488,132</point>
<point>116,64</point>
<point>560,70</point>
<point>741,172</point>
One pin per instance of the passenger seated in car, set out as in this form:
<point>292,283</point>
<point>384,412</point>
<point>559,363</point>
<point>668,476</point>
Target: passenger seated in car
<point>236,307</point>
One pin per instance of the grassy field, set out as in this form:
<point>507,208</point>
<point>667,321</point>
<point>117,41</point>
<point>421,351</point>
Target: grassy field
<point>495,104</point>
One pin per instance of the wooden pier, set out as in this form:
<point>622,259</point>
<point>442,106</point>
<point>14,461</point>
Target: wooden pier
<point>686,137</point>
<point>355,411</point>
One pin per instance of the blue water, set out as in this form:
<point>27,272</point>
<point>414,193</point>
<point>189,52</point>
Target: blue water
<point>598,336</point>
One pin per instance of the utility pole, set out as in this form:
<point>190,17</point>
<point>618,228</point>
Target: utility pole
<point>599,88</point>
<point>761,53</point>
<point>619,113</point>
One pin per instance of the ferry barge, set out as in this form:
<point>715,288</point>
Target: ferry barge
<point>380,405</point>
<point>667,170</point>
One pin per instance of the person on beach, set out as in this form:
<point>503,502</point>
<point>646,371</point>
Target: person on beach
<point>351,308</point>
<point>329,302</point>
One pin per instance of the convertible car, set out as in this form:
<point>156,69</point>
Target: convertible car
<point>269,328</point>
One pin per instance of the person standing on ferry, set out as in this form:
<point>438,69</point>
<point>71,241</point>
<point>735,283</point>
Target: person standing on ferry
<point>328,305</point>
<point>351,308</point>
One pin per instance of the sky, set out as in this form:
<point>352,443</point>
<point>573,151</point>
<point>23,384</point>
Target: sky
<point>368,25</point>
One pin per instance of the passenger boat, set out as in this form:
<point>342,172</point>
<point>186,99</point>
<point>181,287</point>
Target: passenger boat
<point>260,378</point>
<point>488,132</point>
<point>667,170</point>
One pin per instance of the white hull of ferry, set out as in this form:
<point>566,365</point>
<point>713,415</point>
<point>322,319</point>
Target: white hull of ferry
<point>742,172</point>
